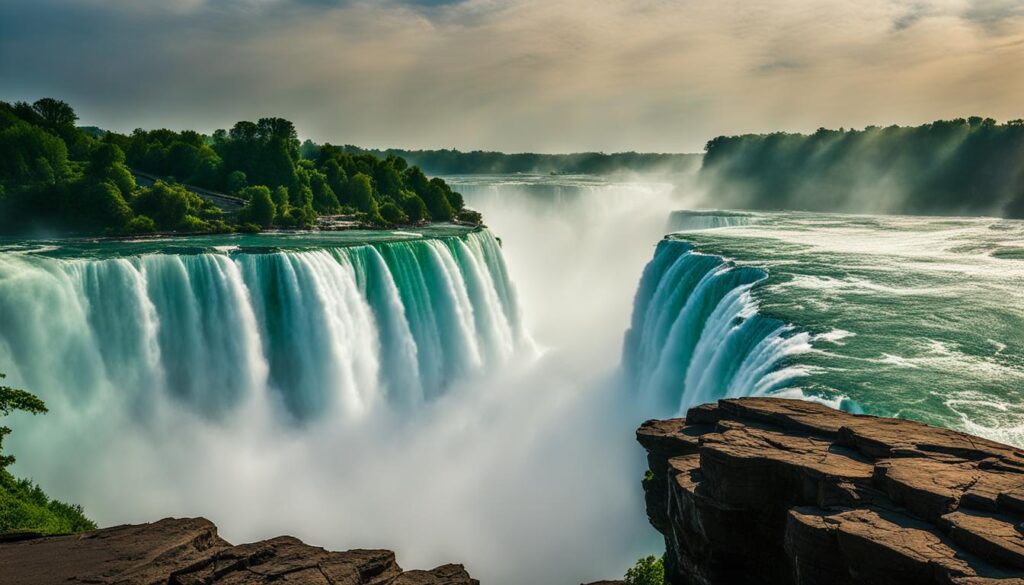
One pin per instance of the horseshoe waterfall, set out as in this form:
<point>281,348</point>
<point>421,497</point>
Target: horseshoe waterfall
<point>696,335</point>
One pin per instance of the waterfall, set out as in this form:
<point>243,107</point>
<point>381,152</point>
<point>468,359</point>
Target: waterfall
<point>319,330</point>
<point>696,335</point>
<point>690,219</point>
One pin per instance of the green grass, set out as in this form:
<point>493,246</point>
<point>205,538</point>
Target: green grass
<point>24,507</point>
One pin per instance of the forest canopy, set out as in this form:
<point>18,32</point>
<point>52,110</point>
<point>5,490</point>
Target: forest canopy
<point>455,162</point>
<point>972,166</point>
<point>56,177</point>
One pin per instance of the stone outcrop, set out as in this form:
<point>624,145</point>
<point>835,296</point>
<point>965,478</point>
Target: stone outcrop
<point>189,552</point>
<point>773,491</point>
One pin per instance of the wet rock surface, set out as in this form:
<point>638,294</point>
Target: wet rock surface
<point>189,552</point>
<point>764,490</point>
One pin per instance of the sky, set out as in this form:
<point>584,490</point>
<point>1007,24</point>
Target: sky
<point>517,75</point>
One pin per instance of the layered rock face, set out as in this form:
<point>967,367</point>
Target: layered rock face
<point>189,552</point>
<point>773,491</point>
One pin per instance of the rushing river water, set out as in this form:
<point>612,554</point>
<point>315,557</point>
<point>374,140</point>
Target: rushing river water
<point>456,394</point>
<point>914,317</point>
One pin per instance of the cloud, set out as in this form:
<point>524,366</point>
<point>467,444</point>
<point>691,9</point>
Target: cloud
<point>991,13</point>
<point>911,15</point>
<point>518,74</point>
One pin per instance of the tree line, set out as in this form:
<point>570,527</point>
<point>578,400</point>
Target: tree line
<point>966,166</point>
<point>55,176</point>
<point>455,162</point>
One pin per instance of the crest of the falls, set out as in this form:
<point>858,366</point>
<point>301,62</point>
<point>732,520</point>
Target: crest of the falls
<point>704,219</point>
<point>331,329</point>
<point>913,317</point>
<point>696,335</point>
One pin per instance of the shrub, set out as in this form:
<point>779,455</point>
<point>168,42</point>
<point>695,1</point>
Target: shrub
<point>393,214</point>
<point>261,209</point>
<point>470,216</point>
<point>649,570</point>
<point>140,224</point>
<point>24,507</point>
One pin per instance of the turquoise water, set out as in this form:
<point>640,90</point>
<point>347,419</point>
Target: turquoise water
<point>267,242</point>
<point>330,324</point>
<point>383,388</point>
<point>912,317</point>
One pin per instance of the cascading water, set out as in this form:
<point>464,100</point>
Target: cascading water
<point>354,389</point>
<point>691,219</point>
<point>696,335</point>
<point>323,330</point>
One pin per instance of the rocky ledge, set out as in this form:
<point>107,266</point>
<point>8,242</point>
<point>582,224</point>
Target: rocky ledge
<point>773,491</point>
<point>189,552</point>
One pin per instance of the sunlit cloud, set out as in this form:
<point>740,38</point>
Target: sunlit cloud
<point>661,75</point>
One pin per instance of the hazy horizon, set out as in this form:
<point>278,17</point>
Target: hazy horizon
<point>518,75</point>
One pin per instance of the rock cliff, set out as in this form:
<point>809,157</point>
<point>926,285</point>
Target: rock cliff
<point>189,552</point>
<point>761,490</point>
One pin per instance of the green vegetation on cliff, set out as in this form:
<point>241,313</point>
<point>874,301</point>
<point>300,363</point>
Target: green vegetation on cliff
<point>971,166</point>
<point>649,570</point>
<point>23,505</point>
<point>455,162</point>
<point>55,176</point>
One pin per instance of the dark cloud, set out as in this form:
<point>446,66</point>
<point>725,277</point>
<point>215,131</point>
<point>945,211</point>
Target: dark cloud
<point>911,15</point>
<point>992,13</point>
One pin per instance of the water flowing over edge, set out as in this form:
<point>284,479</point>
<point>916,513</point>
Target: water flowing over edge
<point>336,330</point>
<point>696,335</point>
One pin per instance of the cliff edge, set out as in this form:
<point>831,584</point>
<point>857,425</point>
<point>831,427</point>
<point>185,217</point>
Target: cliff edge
<point>773,491</point>
<point>189,552</point>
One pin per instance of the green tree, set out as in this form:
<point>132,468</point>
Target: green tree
<point>167,204</point>
<point>106,164</point>
<point>324,199</point>
<point>360,192</point>
<point>55,113</point>
<point>237,181</point>
<point>101,206</point>
<point>336,177</point>
<point>437,201</point>
<point>29,154</point>
<point>12,399</point>
<point>387,177</point>
<point>23,505</point>
<point>413,207</point>
<point>281,200</point>
<point>261,209</point>
<point>472,216</point>
<point>649,570</point>
<point>141,224</point>
<point>393,214</point>
<point>59,117</point>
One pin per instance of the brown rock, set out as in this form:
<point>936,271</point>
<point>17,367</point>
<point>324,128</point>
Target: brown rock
<point>774,491</point>
<point>189,552</point>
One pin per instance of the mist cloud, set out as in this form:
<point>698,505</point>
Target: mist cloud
<point>518,74</point>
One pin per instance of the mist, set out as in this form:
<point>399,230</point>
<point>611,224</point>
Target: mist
<point>527,473</point>
<point>969,166</point>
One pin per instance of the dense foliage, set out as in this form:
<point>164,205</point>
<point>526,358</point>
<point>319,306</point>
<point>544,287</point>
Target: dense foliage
<point>649,570</point>
<point>969,166</point>
<point>12,399</point>
<point>55,176</point>
<point>23,505</point>
<point>454,162</point>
